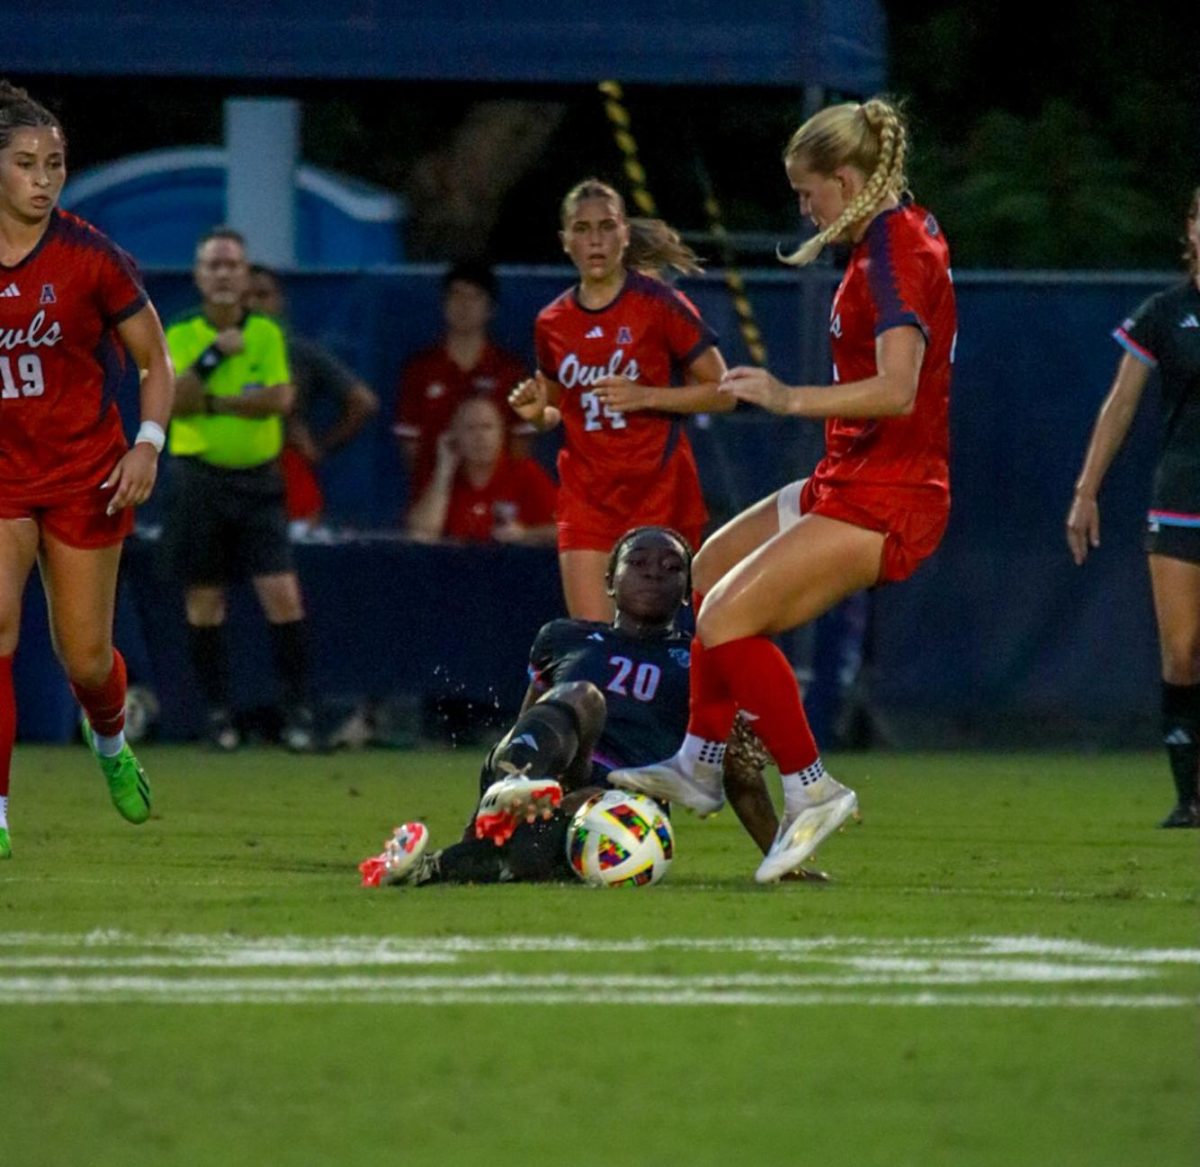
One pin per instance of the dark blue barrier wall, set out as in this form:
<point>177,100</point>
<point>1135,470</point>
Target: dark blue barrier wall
<point>999,639</point>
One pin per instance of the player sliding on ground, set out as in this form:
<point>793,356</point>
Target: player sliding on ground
<point>600,696</point>
<point>875,506</point>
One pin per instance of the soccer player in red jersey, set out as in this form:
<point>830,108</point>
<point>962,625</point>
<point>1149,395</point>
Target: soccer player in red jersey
<point>875,506</point>
<point>622,357</point>
<point>71,307</point>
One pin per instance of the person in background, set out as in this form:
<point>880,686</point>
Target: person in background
<point>875,506</point>
<point>73,310</point>
<point>225,516</point>
<point>318,377</point>
<point>1163,334</point>
<point>464,363</point>
<point>622,358</point>
<point>479,492</point>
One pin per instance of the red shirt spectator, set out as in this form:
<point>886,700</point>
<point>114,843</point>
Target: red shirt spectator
<point>480,493</point>
<point>437,380</point>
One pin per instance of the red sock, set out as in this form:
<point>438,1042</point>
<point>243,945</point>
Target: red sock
<point>711,709</point>
<point>761,682</point>
<point>105,706</point>
<point>8,722</point>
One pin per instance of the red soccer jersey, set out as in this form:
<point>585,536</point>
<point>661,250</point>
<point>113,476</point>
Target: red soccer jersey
<point>61,362</point>
<point>611,463</point>
<point>432,387</point>
<point>899,274</point>
<point>519,490</point>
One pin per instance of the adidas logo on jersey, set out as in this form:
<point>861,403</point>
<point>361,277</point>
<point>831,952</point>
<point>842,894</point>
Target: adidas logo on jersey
<point>595,334</point>
<point>1189,321</point>
<point>1178,737</point>
<point>11,290</point>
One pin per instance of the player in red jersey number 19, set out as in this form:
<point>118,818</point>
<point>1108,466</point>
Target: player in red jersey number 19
<point>72,310</point>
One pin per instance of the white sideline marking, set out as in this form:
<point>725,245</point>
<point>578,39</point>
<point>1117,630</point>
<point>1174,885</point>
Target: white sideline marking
<point>105,967</point>
<point>499,990</point>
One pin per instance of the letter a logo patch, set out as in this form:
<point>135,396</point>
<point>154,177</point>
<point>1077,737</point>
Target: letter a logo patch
<point>47,296</point>
<point>624,336</point>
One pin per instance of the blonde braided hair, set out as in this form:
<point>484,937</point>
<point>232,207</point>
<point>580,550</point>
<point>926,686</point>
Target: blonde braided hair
<point>873,138</point>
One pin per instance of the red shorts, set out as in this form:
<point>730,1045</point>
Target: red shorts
<point>301,490</point>
<point>593,536</point>
<point>911,534</point>
<point>78,521</point>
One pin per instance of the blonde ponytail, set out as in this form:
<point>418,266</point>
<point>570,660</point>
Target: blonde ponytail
<point>871,137</point>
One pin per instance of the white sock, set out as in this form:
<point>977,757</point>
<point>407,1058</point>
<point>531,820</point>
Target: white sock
<point>804,787</point>
<point>109,747</point>
<point>3,810</point>
<point>700,751</point>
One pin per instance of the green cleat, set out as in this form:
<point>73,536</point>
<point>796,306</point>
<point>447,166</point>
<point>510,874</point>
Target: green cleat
<point>127,781</point>
<point>5,844</point>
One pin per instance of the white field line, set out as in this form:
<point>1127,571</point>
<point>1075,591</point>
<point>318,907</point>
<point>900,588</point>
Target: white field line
<point>838,970</point>
<point>362,949</point>
<point>500,990</point>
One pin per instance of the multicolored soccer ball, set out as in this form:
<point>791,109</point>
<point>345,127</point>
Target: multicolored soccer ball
<point>620,839</point>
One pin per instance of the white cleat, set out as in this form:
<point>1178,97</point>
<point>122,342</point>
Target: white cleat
<point>403,852</point>
<point>701,791</point>
<point>800,834</point>
<point>513,800</point>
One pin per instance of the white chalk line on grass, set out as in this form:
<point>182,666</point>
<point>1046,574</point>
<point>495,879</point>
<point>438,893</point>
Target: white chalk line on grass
<point>547,990</point>
<point>103,966</point>
<point>362,949</point>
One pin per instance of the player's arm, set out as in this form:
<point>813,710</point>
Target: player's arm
<point>1112,424</point>
<point>535,400</point>
<point>892,392</point>
<point>700,395</point>
<point>132,479</point>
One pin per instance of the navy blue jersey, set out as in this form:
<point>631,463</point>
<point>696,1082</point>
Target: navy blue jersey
<point>644,681</point>
<point>1164,333</point>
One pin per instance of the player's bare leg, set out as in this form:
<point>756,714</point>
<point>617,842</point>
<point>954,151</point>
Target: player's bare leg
<point>1176,585</point>
<point>584,585</point>
<point>18,552</point>
<point>81,586</point>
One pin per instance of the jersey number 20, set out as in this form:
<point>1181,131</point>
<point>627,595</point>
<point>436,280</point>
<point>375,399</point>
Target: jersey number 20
<point>645,678</point>
<point>27,381</point>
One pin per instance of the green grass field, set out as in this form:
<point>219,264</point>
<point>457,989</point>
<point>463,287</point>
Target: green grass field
<point>1006,971</point>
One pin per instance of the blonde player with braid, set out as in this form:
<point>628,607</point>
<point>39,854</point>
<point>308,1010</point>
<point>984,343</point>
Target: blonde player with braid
<point>875,506</point>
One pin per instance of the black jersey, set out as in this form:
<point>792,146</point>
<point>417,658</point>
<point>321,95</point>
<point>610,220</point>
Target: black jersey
<point>1165,333</point>
<point>644,681</point>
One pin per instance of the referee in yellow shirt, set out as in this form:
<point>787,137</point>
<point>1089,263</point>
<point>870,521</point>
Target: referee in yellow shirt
<point>225,515</point>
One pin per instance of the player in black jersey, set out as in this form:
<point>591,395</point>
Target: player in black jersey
<point>1163,333</point>
<point>600,696</point>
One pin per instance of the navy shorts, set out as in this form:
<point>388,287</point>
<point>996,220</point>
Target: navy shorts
<point>1172,541</point>
<point>225,524</point>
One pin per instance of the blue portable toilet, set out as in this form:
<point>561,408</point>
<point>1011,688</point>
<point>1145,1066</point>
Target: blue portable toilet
<point>157,204</point>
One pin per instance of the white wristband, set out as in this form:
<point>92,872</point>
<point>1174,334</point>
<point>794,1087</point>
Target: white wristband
<point>152,434</point>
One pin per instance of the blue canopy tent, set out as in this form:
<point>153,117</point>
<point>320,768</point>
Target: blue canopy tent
<point>831,44</point>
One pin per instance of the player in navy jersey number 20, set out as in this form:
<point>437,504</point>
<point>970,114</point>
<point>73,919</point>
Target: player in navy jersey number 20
<point>72,308</point>
<point>600,695</point>
<point>1164,333</point>
<point>876,504</point>
<point>622,357</point>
